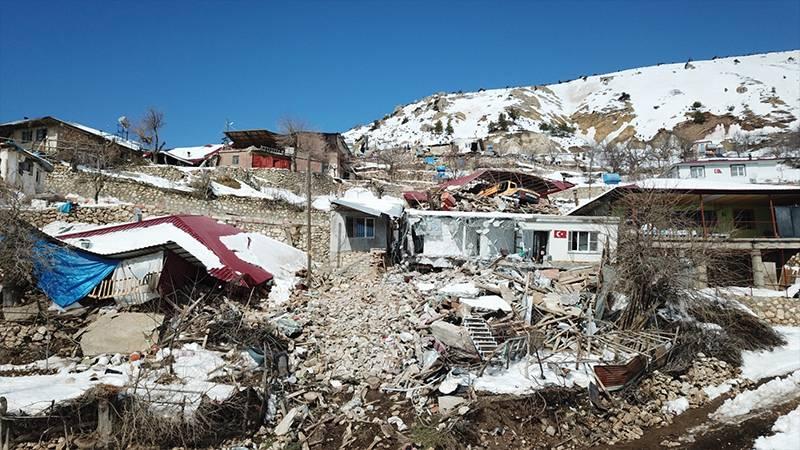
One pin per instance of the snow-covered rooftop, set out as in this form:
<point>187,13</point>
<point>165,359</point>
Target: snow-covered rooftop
<point>194,153</point>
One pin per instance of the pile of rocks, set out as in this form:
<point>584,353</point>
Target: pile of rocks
<point>362,329</point>
<point>664,397</point>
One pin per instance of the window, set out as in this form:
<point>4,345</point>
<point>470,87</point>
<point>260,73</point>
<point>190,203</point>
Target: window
<point>583,241</point>
<point>738,170</point>
<point>744,219</point>
<point>360,227</point>
<point>27,135</point>
<point>38,176</point>
<point>41,134</point>
<point>235,160</point>
<point>697,171</point>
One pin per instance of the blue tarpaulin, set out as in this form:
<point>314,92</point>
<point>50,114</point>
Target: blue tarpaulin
<point>66,274</point>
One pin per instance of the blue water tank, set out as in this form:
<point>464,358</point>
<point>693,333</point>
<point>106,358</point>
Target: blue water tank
<point>611,178</point>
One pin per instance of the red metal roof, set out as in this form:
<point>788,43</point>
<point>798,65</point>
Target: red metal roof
<point>206,231</point>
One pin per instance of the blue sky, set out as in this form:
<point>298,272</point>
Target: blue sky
<point>336,64</point>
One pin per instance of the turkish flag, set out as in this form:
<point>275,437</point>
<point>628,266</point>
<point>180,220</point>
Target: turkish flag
<point>560,234</point>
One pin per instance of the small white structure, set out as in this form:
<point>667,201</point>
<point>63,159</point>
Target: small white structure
<point>22,169</point>
<point>742,170</point>
<point>433,235</point>
<point>361,222</point>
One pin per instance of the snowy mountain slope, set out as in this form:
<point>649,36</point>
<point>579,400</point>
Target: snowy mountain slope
<point>759,93</point>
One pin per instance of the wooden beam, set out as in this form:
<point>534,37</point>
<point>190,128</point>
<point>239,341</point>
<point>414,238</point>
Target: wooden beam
<point>772,215</point>
<point>703,216</point>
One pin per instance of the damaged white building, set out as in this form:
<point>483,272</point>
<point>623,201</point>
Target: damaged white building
<point>431,237</point>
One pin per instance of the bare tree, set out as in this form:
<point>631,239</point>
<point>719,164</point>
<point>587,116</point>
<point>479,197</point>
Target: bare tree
<point>613,155</point>
<point>662,248</point>
<point>148,130</point>
<point>18,252</point>
<point>789,145</point>
<point>741,142</point>
<point>663,153</point>
<point>100,159</point>
<point>686,147</point>
<point>391,158</point>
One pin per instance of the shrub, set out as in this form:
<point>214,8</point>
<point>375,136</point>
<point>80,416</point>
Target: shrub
<point>438,128</point>
<point>698,117</point>
<point>449,128</point>
<point>696,105</point>
<point>513,114</point>
<point>624,97</point>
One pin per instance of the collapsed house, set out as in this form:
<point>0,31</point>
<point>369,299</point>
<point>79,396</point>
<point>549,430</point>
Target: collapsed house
<point>758,225</point>
<point>154,257</point>
<point>490,190</point>
<point>431,236</point>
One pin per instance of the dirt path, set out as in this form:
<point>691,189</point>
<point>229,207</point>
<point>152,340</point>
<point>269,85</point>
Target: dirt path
<point>703,434</point>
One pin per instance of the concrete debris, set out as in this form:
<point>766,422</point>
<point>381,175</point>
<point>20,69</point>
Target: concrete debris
<point>123,333</point>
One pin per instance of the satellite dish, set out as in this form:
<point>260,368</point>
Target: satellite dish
<point>123,122</point>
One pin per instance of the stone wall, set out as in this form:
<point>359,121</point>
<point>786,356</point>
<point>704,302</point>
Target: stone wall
<point>279,178</point>
<point>275,218</point>
<point>775,310</point>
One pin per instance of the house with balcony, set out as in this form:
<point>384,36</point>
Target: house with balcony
<point>50,136</point>
<point>324,153</point>
<point>740,170</point>
<point>759,224</point>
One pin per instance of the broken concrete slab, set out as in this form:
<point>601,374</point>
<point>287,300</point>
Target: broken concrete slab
<point>488,302</point>
<point>21,313</point>
<point>452,335</point>
<point>286,423</point>
<point>120,333</point>
<point>449,403</point>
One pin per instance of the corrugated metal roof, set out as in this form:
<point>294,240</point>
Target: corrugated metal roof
<point>206,231</point>
<point>540,185</point>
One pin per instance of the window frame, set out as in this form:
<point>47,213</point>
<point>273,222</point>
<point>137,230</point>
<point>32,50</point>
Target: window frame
<point>739,166</point>
<point>701,169</point>
<point>591,241</point>
<point>367,223</point>
<point>27,136</point>
<point>235,160</point>
<point>41,134</point>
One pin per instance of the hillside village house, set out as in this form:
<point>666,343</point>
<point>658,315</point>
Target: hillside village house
<point>741,170</point>
<point>49,135</point>
<point>758,222</point>
<point>23,169</point>
<point>265,149</point>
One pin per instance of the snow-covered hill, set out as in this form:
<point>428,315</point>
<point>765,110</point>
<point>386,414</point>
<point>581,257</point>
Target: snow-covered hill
<point>757,94</point>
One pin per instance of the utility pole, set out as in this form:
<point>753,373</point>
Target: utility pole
<point>308,216</point>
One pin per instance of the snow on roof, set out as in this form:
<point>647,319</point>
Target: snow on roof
<point>202,237</point>
<point>688,185</point>
<point>133,145</point>
<point>505,215</point>
<point>702,161</point>
<point>365,201</point>
<point>281,260</point>
<point>704,184</point>
<point>194,154</point>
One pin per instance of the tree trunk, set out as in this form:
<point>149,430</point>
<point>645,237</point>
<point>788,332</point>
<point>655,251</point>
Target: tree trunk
<point>12,292</point>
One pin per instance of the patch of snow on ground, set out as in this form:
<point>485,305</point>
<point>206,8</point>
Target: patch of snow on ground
<point>787,434</point>
<point>677,406</point>
<point>771,393</point>
<point>524,377</point>
<point>745,291</point>
<point>779,361</point>
<point>715,391</point>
